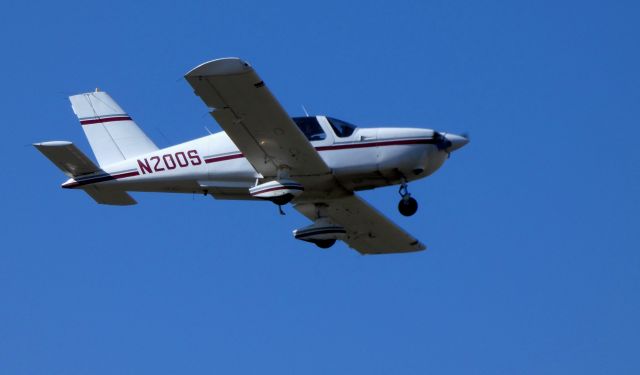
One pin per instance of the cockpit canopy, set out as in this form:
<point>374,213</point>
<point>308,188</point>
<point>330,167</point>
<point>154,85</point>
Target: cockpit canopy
<point>310,127</point>
<point>342,128</point>
<point>314,132</point>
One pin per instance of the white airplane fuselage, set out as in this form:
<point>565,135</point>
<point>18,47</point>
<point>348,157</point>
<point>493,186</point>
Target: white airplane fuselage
<point>367,159</point>
<point>315,163</point>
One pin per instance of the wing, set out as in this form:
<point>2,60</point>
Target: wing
<point>368,231</point>
<point>252,117</point>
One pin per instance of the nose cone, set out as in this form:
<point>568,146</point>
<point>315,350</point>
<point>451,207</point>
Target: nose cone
<point>457,141</point>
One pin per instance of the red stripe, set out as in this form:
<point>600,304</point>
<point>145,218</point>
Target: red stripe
<point>376,144</point>
<point>342,147</point>
<point>103,120</point>
<point>97,179</point>
<point>124,175</point>
<point>223,158</point>
<point>238,156</point>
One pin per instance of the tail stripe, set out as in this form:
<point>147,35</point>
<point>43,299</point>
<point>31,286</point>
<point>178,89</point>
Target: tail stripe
<point>111,132</point>
<point>102,120</point>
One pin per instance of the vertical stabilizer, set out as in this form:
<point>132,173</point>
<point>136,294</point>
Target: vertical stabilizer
<point>111,132</point>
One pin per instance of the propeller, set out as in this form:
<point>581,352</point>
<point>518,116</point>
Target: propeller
<point>442,143</point>
<point>450,142</point>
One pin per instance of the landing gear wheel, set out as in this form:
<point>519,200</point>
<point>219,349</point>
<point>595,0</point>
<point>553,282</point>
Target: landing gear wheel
<point>324,244</point>
<point>408,206</point>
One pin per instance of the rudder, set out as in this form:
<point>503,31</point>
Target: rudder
<point>111,132</point>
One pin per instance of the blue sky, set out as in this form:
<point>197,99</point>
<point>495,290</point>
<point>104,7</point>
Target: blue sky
<point>533,264</point>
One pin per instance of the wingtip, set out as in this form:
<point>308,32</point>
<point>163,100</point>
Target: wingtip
<point>414,248</point>
<point>417,246</point>
<point>52,144</point>
<point>222,66</point>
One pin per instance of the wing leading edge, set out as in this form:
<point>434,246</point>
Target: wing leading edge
<point>368,230</point>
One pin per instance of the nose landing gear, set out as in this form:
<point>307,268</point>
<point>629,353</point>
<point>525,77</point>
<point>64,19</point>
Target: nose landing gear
<point>407,205</point>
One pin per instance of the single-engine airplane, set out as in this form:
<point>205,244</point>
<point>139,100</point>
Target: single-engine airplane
<point>317,163</point>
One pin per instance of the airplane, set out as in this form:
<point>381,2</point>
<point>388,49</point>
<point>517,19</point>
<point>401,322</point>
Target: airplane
<point>316,163</point>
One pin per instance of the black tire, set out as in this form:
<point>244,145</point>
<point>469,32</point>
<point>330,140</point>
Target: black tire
<point>324,244</point>
<point>408,207</point>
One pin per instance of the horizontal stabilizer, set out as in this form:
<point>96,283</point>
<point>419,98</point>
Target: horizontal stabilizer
<point>73,162</point>
<point>110,197</point>
<point>66,156</point>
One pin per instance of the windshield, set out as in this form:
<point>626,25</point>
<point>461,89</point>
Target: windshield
<point>342,128</point>
<point>310,127</point>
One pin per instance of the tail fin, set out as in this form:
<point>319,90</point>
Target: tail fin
<point>112,134</point>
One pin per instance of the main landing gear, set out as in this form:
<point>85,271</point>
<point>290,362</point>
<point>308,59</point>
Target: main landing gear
<point>407,205</point>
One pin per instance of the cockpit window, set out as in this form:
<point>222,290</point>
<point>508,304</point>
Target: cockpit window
<point>310,127</point>
<point>342,128</point>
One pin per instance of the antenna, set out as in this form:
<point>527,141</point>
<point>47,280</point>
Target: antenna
<point>208,131</point>
<point>305,110</point>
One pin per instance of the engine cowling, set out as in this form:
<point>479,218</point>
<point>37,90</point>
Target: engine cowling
<point>279,192</point>
<point>320,231</point>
